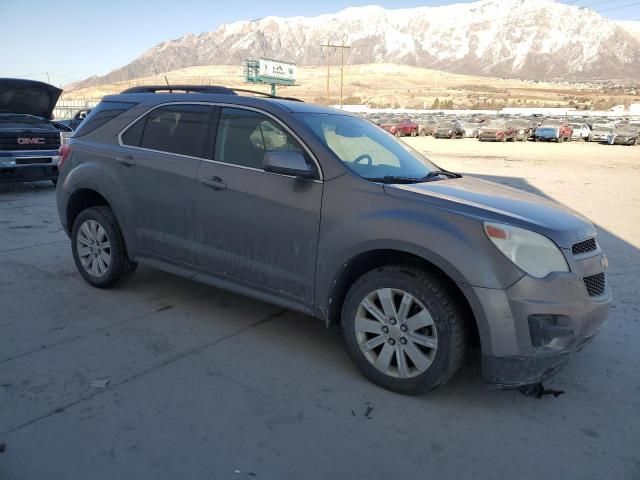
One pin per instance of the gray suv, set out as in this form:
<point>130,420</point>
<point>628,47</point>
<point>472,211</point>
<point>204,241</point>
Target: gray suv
<point>325,213</point>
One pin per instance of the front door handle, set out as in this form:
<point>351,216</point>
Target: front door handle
<point>127,161</point>
<point>214,182</point>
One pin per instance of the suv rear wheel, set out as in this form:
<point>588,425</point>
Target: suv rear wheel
<point>98,248</point>
<point>403,330</point>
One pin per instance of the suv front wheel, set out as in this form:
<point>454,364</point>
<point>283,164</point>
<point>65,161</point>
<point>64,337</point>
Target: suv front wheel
<point>98,248</point>
<point>403,330</point>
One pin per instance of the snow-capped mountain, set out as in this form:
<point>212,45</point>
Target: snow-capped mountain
<point>509,38</point>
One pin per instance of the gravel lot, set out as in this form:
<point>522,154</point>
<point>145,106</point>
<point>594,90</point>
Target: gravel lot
<point>207,384</point>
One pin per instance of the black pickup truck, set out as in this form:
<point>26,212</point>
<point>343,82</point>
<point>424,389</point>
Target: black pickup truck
<point>29,138</point>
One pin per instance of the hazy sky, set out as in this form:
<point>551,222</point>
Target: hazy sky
<point>72,40</point>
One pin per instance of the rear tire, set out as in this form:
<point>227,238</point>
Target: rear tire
<point>422,348</point>
<point>98,248</point>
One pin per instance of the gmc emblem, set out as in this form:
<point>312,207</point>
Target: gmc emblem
<point>31,141</point>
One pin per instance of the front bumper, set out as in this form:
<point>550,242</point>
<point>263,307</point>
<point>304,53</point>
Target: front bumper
<point>535,325</point>
<point>29,166</point>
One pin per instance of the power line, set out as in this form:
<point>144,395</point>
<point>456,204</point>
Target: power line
<point>621,6</point>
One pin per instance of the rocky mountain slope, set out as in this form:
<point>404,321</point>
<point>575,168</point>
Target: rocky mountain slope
<point>506,38</point>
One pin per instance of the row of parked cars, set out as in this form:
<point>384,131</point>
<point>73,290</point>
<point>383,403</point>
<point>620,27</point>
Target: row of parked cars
<point>504,128</point>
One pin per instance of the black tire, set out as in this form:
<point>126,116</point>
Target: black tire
<point>121,267</point>
<point>414,133</point>
<point>447,319</point>
<point>398,133</point>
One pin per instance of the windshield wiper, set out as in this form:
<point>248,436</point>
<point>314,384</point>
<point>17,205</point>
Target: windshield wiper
<point>437,173</point>
<point>400,179</point>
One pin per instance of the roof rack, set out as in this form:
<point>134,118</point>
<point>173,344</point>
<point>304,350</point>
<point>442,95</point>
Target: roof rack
<point>179,88</point>
<point>216,89</point>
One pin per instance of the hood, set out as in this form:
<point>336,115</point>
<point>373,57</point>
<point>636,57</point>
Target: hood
<point>493,202</point>
<point>28,97</point>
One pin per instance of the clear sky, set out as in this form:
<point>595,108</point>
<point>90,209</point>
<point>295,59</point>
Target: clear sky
<point>73,39</point>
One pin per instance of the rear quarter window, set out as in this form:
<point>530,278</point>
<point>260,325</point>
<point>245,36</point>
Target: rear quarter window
<point>103,113</point>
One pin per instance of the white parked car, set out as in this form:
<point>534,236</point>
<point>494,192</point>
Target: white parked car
<point>581,131</point>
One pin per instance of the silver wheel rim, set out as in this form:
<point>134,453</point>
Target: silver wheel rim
<point>396,333</point>
<point>94,248</point>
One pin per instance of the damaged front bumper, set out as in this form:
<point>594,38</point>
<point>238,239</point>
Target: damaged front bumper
<point>536,324</point>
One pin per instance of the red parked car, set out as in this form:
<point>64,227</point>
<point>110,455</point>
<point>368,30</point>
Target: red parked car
<point>402,128</point>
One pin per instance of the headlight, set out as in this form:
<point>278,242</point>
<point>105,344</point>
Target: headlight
<point>532,252</point>
<point>64,137</point>
<point>450,131</point>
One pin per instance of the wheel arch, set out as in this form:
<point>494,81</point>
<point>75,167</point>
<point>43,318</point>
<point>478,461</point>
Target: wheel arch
<point>80,200</point>
<point>370,260</point>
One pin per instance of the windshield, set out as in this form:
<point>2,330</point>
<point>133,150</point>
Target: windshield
<point>366,149</point>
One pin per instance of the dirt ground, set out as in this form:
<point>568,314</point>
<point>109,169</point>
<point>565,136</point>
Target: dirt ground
<point>165,378</point>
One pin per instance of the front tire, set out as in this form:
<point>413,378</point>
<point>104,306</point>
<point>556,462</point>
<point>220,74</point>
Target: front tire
<point>98,248</point>
<point>403,330</point>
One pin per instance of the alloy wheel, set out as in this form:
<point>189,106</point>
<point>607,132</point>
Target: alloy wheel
<point>396,333</point>
<point>94,248</point>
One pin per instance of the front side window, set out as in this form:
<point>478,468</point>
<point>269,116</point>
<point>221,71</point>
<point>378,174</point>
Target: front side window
<point>180,129</point>
<point>244,136</point>
<point>366,149</point>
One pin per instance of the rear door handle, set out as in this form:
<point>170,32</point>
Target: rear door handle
<point>127,161</point>
<point>215,183</point>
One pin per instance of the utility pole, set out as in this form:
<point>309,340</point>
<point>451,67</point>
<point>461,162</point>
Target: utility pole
<point>342,48</point>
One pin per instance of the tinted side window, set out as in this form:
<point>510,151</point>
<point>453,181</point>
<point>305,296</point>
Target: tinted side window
<point>244,137</point>
<point>180,129</point>
<point>100,115</point>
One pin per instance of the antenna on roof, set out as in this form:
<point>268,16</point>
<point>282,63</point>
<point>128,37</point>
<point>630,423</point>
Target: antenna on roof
<point>166,80</point>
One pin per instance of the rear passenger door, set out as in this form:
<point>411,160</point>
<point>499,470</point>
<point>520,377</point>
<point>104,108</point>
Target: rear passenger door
<point>164,150</point>
<point>256,228</point>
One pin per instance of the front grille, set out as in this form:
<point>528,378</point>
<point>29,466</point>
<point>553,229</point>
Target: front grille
<point>32,160</point>
<point>29,141</point>
<point>584,246</point>
<point>595,284</point>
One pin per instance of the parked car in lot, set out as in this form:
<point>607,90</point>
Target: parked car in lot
<point>497,130</point>
<point>553,131</point>
<point>428,127</point>
<point>600,132</point>
<point>340,221</point>
<point>77,119</point>
<point>401,128</point>
<point>623,134</point>
<point>29,139</point>
<point>524,129</point>
<point>449,129</point>
<point>581,131</point>
<point>470,129</point>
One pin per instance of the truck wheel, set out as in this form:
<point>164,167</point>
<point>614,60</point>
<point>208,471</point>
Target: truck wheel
<point>560,139</point>
<point>98,248</point>
<point>453,135</point>
<point>414,133</point>
<point>403,330</point>
<point>398,133</point>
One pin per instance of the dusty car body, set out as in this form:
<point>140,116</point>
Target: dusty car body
<point>449,129</point>
<point>341,221</point>
<point>524,129</point>
<point>29,139</point>
<point>623,135</point>
<point>401,128</point>
<point>497,131</point>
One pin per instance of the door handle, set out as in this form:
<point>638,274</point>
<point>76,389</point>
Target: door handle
<point>215,183</point>
<point>127,161</point>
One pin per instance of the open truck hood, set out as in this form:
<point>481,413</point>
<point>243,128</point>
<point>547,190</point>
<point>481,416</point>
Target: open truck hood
<point>28,97</point>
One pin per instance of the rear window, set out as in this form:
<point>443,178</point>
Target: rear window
<point>103,113</point>
<point>179,128</point>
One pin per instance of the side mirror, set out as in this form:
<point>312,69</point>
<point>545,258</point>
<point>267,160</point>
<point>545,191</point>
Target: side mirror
<point>287,163</point>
